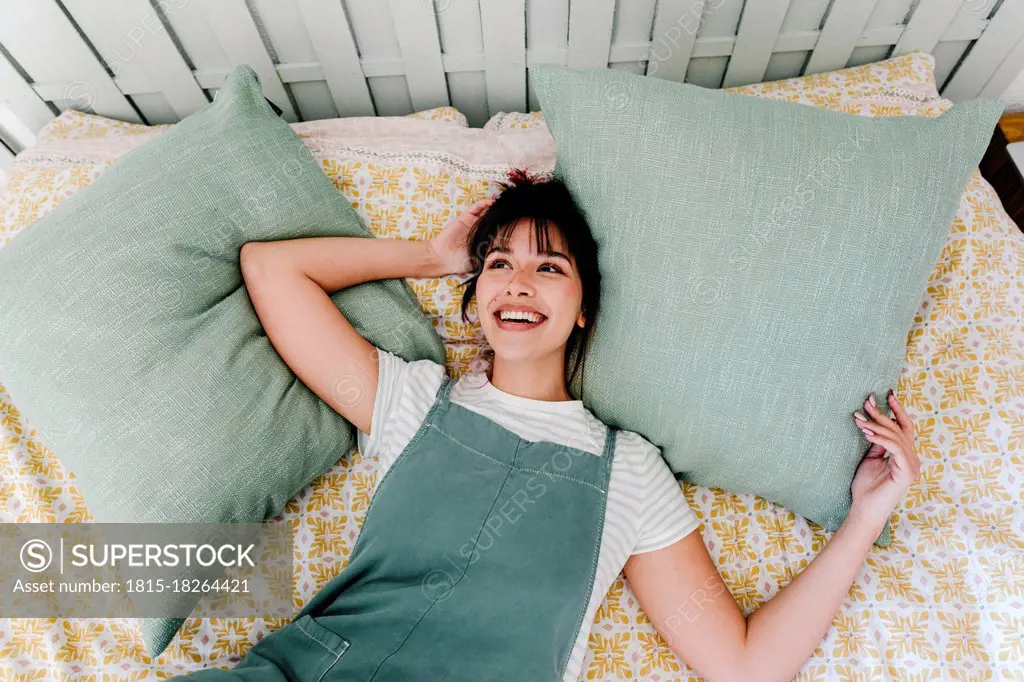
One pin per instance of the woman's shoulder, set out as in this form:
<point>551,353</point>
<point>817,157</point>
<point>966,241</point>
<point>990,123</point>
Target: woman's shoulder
<point>415,381</point>
<point>643,456</point>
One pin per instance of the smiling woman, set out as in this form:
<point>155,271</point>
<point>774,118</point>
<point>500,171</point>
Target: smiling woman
<point>553,286</point>
<point>500,493</point>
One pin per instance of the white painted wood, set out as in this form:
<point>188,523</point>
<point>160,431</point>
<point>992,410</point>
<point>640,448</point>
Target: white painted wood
<point>634,23</point>
<point>547,24</point>
<point>590,33</point>
<point>1011,67</point>
<point>233,26</point>
<point>6,161</point>
<point>285,32</point>
<point>504,33</point>
<point>988,53</point>
<point>888,15</point>
<point>462,46</point>
<point>324,58</point>
<point>336,52</point>
<point>719,25</point>
<point>843,26</point>
<point>802,16</point>
<point>759,29</point>
<point>41,39</point>
<point>377,43</point>
<point>672,41</point>
<point>416,30</point>
<point>926,26</point>
<point>22,112</point>
<point>134,44</point>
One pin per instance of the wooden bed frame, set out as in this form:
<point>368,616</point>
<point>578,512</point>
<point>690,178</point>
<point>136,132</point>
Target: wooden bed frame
<point>157,61</point>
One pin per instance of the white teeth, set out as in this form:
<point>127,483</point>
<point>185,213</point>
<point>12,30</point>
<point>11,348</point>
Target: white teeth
<point>519,315</point>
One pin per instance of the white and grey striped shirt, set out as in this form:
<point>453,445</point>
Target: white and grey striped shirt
<point>646,508</point>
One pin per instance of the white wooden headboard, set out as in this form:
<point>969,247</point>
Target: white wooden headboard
<point>157,61</point>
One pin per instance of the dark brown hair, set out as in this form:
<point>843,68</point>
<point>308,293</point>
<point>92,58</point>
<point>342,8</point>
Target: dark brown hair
<point>546,202</point>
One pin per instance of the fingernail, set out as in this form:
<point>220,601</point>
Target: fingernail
<point>868,431</point>
<point>859,416</point>
<point>872,399</point>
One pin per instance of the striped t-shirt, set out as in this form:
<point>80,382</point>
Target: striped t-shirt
<point>646,508</point>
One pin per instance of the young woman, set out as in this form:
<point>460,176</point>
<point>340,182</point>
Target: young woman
<point>505,509</point>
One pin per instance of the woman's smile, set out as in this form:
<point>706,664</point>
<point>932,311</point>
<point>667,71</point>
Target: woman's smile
<point>518,325</point>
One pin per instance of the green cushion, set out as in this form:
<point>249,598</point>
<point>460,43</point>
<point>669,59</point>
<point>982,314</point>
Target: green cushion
<point>762,263</point>
<point>128,338</point>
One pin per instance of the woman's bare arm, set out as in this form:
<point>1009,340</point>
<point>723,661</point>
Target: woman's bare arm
<point>289,282</point>
<point>682,592</point>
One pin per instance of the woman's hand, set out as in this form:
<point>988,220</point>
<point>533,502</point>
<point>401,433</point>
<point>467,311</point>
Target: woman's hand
<point>890,464</point>
<point>450,246</point>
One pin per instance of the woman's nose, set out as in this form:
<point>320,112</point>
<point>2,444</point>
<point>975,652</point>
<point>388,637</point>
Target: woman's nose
<point>521,280</point>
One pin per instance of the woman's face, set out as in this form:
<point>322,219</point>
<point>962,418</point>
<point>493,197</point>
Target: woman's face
<point>545,283</point>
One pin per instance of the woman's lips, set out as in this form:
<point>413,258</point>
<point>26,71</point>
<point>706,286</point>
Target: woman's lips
<point>517,326</point>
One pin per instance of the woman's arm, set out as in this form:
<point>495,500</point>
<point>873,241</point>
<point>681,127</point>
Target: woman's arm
<point>290,281</point>
<point>683,594</point>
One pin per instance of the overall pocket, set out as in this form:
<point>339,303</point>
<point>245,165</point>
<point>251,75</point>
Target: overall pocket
<point>304,650</point>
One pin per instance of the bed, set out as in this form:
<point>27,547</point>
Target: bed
<point>944,601</point>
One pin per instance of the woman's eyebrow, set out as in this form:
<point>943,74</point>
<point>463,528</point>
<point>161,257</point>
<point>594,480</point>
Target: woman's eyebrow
<point>545,252</point>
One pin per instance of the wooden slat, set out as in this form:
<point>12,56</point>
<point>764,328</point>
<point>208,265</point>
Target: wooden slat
<point>19,101</point>
<point>131,39</point>
<point>335,48</point>
<point>632,27</point>
<point>285,33</point>
<point>590,33</point>
<point>504,32</point>
<point>887,19</point>
<point>720,21</point>
<point>39,36</point>
<point>1010,69</point>
<point>926,26</point>
<point>673,38</point>
<point>6,161</point>
<point>416,29</point>
<point>760,25</point>
<point>547,24</point>
<point>462,44</point>
<point>843,27</point>
<point>988,53</point>
<point>802,16</point>
<point>233,26</point>
<point>377,43</point>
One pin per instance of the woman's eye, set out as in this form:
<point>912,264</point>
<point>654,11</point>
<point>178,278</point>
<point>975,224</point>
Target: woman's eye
<point>494,263</point>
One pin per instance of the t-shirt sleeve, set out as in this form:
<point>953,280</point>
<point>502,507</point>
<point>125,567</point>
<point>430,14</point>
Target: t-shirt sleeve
<point>666,517</point>
<point>405,392</point>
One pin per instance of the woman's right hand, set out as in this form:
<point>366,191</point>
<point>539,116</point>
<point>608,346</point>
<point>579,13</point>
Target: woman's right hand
<point>451,245</point>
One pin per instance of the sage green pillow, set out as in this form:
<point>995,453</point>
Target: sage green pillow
<point>762,262</point>
<point>127,336</point>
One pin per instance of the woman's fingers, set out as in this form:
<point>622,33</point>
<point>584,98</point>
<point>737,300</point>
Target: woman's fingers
<point>902,418</point>
<point>879,417</point>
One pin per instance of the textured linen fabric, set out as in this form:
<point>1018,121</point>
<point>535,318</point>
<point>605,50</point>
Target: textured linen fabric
<point>128,338</point>
<point>773,256</point>
<point>646,509</point>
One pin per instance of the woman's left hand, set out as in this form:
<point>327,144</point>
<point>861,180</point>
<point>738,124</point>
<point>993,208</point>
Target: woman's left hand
<point>890,465</point>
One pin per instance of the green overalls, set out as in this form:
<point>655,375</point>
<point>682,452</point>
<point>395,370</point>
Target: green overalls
<point>476,561</point>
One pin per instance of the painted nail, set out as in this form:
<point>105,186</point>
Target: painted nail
<point>859,416</point>
<point>872,399</point>
<point>868,431</point>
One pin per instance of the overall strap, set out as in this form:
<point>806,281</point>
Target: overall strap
<point>609,446</point>
<point>441,400</point>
